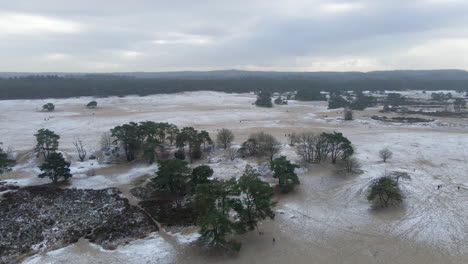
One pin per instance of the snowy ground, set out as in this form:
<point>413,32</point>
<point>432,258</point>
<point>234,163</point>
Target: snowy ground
<point>327,220</point>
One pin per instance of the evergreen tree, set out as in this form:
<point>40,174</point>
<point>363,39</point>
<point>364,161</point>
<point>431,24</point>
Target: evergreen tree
<point>362,102</point>
<point>92,104</point>
<point>283,170</point>
<point>256,198</point>
<point>188,136</point>
<point>55,167</point>
<point>172,177</point>
<point>214,202</point>
<point>47,142</point>
<point>338,146</point>
<point>48,107</point>
<point>204,137</point>
<point>172,132</point>
<point>385,191</point>
<point>5,162</point>
<point>336,101</point>
<point>129,136</point>
<point>201,174</point>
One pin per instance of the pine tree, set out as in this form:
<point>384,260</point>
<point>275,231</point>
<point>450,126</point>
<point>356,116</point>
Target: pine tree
<point>256,198</point>
<point>5,162</point>
<point>47,142</point>
<point>283,170</point>
<point>55,167</point>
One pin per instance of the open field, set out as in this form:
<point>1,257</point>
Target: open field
<point>326,220</point>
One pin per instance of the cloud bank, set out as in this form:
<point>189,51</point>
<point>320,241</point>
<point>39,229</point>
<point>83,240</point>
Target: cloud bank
<point>285,35</point>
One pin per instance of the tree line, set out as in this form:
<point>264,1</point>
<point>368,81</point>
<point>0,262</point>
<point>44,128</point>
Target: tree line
<point>38,87</point>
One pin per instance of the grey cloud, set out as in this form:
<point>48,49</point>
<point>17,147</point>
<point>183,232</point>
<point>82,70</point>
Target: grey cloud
<point>172,35</point>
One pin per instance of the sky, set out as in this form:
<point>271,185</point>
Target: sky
<point>268,35</point>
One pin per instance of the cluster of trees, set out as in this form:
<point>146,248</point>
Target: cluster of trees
<point>280,101</point>
<point>148,137</point>
<point>233,206</point>
<point>441,97</point>
<point>315,148</point>
<point>459,104</point>
<point>395,99</point>
<point>358,102</point>
<point>54,166</point>
<point>310,95</point>
<point>223,207</point>
<point>48,107</point>
<point>264,99</point>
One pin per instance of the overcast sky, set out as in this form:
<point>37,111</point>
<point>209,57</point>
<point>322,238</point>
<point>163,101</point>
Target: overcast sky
<point>284,35</point>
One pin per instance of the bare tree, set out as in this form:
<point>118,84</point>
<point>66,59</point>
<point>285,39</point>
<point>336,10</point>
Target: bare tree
<point>231,153</point>
<point>293,138</point>
<point>106,141</point>
<point>307,146</point>
<point>270,146</point>
<point>352,165</point>
<point>225,137</point>
<point>399,174</point>
<point>80,149</point>
<point>385,154</point>
<point>260,144</point>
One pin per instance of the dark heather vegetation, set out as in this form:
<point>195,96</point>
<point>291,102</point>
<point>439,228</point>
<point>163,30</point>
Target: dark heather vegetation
<point>54,86</point>
<point>55,217</point>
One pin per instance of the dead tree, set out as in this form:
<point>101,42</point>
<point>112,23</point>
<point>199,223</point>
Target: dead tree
<point>385,154</point>
<point>80,149</point>
<point>352,165</point>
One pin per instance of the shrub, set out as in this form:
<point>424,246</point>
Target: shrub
<point>180,155</point>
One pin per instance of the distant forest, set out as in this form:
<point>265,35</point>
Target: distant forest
<point>102,85</point>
